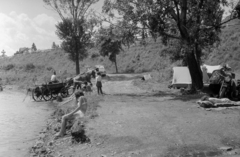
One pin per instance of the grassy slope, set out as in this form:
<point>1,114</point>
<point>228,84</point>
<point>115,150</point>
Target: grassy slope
<point>228,50</point>
<point>135,59</point>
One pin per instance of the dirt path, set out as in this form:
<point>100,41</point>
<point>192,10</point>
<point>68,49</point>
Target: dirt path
<point>132,122</point>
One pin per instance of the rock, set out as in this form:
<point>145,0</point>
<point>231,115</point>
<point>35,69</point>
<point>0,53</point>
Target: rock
<point>226,148</point>
<point>78,132</point>
<point>59,98</point>
<point>50,143</point>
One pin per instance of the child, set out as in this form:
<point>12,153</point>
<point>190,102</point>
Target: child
<point>87,88</point>
<point>99,83</point>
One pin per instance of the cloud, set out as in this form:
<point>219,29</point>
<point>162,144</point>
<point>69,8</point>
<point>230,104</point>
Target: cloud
<point>18,30</point>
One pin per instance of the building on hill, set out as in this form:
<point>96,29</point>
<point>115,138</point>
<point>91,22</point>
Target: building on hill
<point>22,50</point>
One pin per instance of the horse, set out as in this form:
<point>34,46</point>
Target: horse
<point>78,80</point>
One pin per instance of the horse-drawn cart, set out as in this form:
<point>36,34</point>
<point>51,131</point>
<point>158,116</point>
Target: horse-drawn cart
<point>50,91</point>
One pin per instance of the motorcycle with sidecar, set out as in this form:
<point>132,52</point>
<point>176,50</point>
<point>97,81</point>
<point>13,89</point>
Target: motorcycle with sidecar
<point>222,85</point>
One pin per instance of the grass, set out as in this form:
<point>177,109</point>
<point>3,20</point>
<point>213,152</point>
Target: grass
<point>28,69</point>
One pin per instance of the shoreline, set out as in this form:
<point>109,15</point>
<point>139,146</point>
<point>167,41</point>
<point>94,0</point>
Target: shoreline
<point>45,145</point>
<point>21,120</point>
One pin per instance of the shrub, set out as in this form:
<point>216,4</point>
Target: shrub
<point>95,55</point>
<point>29,66</point>
<point>9,67</point>
<point>129,70</point>
<point>101,59</point>
<point>49,68</point>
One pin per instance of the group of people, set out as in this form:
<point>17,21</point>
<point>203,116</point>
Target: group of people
<point>87,86</point>
<point>224,75</point>
<point>80,102</point>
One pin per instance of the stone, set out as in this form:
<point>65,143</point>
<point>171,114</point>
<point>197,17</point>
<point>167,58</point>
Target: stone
<point>78,132</point>
<point>226,148</point>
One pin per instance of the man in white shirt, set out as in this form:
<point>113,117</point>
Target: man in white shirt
<point>99,83</point>
<point>54,78</point>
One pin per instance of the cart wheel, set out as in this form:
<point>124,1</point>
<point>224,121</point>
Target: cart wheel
<point>36,95</point>
<point>47,95</point>
<point>64,92</point>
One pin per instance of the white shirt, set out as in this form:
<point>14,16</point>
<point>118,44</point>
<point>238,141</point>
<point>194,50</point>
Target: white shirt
<point>53,78</point>
<point>98,78</point>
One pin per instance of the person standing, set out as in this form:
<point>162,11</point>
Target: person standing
<point>99,83</point>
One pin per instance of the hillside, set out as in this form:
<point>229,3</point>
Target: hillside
<point>25,69</point>
<point>228,50</point>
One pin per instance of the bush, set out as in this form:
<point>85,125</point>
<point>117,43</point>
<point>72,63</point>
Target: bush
<point>29,67</point>
<point>129,70</point>
<point>49,68</point>
<point>95,55</point>
<point>101,59</point>
<point>9,67</point>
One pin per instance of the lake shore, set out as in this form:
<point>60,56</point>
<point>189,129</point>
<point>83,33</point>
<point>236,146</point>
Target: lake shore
<point>21,121</point>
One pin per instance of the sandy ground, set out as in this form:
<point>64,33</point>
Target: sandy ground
<point>133,121</point>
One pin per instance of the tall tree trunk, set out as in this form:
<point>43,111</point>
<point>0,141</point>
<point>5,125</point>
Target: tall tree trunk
<point>116,65</point>
<point>195,71</point>
<point>77,64</point>
<point>77,58</point>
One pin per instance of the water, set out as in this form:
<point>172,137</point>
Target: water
<point>20,122</point>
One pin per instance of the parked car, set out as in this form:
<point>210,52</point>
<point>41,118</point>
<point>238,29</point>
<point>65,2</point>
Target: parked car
<point>101,70</point>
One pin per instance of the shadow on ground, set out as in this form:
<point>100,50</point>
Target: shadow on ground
<point>192,151</point>
<point>122,78</point>
<point>174,96</point>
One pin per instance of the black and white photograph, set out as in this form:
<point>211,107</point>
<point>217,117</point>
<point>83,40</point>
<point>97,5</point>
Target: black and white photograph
<point>119,78</point>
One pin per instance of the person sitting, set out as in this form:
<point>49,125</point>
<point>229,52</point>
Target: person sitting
<point>77,83</point>
<point>54,78</point>
<point>87,88</point>
<point>81,107</point>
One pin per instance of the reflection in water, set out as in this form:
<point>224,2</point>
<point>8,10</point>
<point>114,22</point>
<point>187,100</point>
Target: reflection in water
<point>20,122</point>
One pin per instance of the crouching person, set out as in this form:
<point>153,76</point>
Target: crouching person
<point>81,108</point>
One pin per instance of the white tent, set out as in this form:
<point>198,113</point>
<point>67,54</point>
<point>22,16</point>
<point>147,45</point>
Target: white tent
<point>211,68</point>
<point>182,77</point>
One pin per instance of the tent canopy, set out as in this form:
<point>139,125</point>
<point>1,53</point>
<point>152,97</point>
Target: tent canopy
<point>182,77</point>
<point>211,68</point>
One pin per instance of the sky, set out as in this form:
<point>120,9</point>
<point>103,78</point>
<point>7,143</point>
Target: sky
<point>24,22</point>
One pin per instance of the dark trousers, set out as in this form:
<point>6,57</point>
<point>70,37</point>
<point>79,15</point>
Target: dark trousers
<point>99,87</point>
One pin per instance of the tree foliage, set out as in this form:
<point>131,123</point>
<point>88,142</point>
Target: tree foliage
<point>76,26</point>
<point>196,24</point>
<point>74,36</point>
<point>54,46</point>
<point>111,40</point>
<point>34,48</point>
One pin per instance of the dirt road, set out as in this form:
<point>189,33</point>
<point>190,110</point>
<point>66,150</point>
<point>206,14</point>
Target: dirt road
<point>133,122</point>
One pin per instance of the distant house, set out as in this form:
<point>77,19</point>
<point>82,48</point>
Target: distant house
<point>23,50</point>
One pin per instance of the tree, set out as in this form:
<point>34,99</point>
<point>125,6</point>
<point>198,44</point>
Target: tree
<point>3,53</point>
<point>34,48</point>
<point>196,24</point>
<point>54,46</point>
<point>111,49</point>
<point>74,14</point>
<point>74,43</point>
<point>112,38</point>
